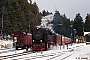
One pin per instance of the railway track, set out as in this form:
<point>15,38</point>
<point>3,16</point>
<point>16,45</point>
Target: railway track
<point>6,50</point>
<point>37,55</point>
<point>67,53</point>
<point>28,56</point>
<point>13,56</point>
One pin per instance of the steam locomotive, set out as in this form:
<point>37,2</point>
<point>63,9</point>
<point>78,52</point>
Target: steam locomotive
<point>40,39</point>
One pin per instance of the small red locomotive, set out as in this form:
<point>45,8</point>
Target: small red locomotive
<point>22,40</point>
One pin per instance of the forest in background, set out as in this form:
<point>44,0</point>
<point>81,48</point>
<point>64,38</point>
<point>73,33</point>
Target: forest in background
<point>19,15</point>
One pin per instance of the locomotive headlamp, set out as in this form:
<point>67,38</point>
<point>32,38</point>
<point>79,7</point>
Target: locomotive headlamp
<point>33,40</point>
<point>15,38</point>
<point>40,40</point>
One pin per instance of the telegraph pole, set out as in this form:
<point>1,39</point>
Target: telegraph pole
<point>60,34</point>
<point>2,20</point>
<point>29,27</point>
<point>71,34</point>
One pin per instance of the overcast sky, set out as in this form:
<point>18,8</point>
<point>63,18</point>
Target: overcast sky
<point>69,7</point>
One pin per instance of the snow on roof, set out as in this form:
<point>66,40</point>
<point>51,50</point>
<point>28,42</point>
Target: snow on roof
<point>86,33</point>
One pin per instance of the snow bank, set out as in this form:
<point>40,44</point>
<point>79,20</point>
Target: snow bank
<point>6,43</point>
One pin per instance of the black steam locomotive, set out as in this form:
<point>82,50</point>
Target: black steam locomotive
<point>40,37</point>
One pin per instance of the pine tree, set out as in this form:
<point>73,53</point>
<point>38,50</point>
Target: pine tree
<point>18,15</point>
<point>78,25</point>
<point>87,23</point>
<point>61,24</point>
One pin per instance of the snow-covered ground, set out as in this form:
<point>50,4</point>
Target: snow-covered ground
<point>75,52</point>
<point>79,51</point>
<point>6,43</point>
